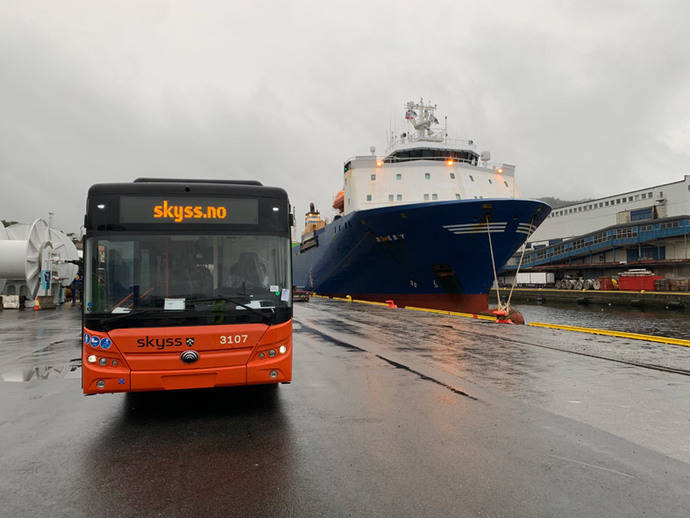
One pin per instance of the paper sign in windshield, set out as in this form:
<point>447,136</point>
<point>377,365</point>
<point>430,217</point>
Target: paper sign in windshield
<point>172,304</point>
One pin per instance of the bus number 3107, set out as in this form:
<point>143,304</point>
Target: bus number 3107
<point>233,339</point>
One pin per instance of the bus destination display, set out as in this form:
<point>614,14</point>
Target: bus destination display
<point>236,211</point>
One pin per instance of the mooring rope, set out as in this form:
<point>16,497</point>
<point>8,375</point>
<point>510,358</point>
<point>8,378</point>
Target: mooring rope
<point>524,247</point>
<point>493,263</point>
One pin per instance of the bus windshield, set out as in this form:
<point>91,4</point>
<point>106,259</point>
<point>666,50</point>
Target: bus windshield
<point>165,275</point>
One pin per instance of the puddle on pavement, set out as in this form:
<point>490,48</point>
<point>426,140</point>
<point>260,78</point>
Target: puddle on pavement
<point>70,370</point>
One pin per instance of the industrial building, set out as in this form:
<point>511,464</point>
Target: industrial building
<point>646,228</point>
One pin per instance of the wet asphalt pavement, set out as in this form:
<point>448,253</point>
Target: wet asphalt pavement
<point>391,412</point>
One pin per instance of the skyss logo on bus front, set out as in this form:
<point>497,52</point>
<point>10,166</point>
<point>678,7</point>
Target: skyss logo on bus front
<point>162,343</point>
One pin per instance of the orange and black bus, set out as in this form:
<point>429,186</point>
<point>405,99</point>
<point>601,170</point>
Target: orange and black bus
<point>187,285</point>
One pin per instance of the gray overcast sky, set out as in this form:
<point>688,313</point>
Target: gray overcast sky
<point>586,98</point>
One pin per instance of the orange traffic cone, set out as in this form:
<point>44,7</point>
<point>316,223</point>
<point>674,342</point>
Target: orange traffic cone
<point>37,306</point>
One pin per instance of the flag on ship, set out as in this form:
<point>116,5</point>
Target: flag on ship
<point>410,114</point>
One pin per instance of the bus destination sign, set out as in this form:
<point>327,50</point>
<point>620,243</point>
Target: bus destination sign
<point>166,209</point>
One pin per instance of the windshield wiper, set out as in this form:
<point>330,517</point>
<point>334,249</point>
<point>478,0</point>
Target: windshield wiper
<point>268,319</point>
<point>136,311</point>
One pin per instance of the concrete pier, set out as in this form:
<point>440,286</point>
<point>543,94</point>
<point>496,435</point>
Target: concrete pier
<point>391,412</point>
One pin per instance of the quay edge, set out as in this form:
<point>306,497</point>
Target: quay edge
<point>679,301</point>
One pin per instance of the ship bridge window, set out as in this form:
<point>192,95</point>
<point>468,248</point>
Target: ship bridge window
<point>373,177</point>
<point>434,196</point>
<point>506,183</point>
<point>490,181</point>
<point>390,197</point>
<point>452,176</point>
<point>457,155</point>
<point>472,178</point>
<point>368,197</point>
<point>457,196</point>
<point>426,197</point>
<point>398,176</point>
<point>399,197</point>
<point>427,176</point>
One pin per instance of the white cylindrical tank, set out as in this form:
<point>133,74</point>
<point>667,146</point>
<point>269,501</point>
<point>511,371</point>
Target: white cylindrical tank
<point>22,258</point>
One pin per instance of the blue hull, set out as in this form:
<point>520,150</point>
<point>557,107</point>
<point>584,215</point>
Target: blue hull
<point>429,254</point>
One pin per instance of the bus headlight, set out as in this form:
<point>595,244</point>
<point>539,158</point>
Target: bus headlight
<point>91,358</point>
<point>282,349</point>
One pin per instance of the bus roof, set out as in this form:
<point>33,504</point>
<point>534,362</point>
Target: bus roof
<point>188,187</point>
<point>185,180</point>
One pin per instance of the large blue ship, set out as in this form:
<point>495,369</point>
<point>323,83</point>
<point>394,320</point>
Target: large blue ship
<point>427,225</point>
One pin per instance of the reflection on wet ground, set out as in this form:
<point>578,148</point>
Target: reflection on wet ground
<point>390,412</point>
<point>608,382</point>
<point>237,443</point>
<point>40,345</point>
<point>674,324</point>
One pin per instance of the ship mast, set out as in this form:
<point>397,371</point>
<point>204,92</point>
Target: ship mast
<point>422,117</point>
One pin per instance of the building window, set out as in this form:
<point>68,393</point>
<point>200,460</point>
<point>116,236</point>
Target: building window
<point>618,201</point>
<point>644,194</point>
<point>373,177</point>
<point>368,197</point>
<point>399,197</point>
<point>457,196</point>
<point>650,194</point>
<point>434,196</point>
<point>426,197</point>
<point>661,194</point>
<point>398,176</point>
<point>390,197</point>
<point>452,176</point>
<point>427,176</point>
<point>471,178</point>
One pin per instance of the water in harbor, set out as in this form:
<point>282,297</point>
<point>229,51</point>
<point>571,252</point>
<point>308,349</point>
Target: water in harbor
<point>674,324</point>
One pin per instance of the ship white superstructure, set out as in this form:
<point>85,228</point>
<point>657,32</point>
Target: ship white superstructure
<point>424,165</point>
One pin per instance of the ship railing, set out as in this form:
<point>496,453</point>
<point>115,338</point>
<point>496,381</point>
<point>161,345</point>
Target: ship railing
<point>413,139</point>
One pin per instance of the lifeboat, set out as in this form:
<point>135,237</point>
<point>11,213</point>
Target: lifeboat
<point>339,202</point>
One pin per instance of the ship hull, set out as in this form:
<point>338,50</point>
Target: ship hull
<point>433,255</point>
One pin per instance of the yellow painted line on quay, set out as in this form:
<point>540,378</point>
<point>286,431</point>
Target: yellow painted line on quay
<point>618,334</point>
<point>589,330</point>
<point>601,292</point>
